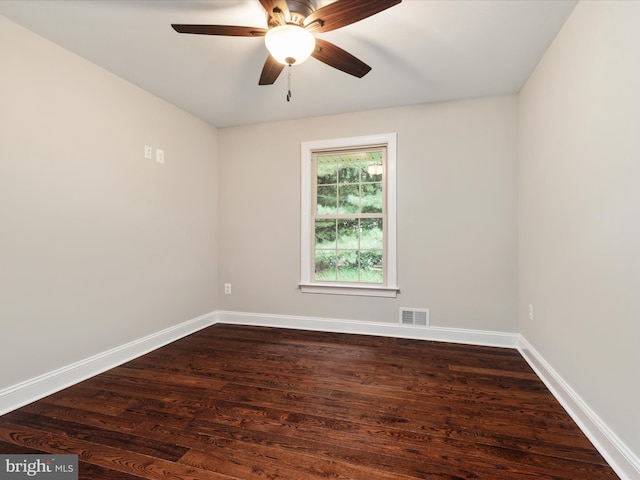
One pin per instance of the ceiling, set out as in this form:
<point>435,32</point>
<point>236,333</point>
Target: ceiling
<point>420,51</point>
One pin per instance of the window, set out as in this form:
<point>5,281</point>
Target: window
<point>348,216</point>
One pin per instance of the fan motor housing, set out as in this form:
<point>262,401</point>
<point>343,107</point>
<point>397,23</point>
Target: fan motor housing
<point>299,9</point>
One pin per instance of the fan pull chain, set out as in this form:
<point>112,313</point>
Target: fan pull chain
<point>289,83</point>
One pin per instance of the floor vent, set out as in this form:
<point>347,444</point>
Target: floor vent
<point>414,316</point>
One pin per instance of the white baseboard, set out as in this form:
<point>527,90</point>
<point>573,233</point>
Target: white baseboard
<point>623,461</point>
<point>439,334</point>
<point>39,387</point>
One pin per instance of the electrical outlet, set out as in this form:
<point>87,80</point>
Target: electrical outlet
<point>530,312</point>
<point>148,152</point>
<point>227,289</point>
<point>159,155</point>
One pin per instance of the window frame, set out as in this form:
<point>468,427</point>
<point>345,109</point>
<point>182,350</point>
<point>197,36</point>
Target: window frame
<point>307,149</point>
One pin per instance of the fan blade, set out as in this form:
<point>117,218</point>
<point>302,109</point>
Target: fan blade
<point>345,12</point>
<point>338,58</point>
<point>277,9</point>
<point>270,72</point>
<point>226,30</point>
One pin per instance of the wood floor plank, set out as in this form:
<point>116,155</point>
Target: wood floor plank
<point>111,458</point>
<point>132,442</point>
<point>237,402</point>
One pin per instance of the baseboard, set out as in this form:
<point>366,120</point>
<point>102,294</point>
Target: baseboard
<point>39,387</point>
<point>624,462</point>
<point>439,334</point>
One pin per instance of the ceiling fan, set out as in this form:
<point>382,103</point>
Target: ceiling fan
<point>290,35</point>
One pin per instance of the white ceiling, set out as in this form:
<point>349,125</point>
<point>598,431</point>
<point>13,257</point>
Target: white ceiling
<point>420,51</point>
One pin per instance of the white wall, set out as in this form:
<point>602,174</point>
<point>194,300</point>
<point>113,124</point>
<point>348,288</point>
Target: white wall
<point>98,246</point>
<point>579,188</point>
<point>457,226</point>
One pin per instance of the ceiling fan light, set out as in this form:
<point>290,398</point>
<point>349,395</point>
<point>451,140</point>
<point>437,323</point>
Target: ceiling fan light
<point>290,44</point>
<point>375,169</point>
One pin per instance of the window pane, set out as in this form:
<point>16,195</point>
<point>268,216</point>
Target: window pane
<point>327,173</point>
<point>348,234</point>
<point>325,265</point>
<point>349,199</point>
<point>348,270</point>
<point>349,173</point>
<point>371,266</point>
<point>371,233</point>
<point>348,215</point>
<point>372,198</point>
<point>327,200</point>
<point>325,234</point>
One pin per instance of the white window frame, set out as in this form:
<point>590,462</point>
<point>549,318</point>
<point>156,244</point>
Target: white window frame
<point>390,288</point>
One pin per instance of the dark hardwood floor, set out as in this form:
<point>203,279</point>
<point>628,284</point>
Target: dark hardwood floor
<point>234,402</point>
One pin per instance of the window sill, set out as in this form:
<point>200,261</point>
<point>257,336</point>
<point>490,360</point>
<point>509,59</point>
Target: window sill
<point>344,289</point>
